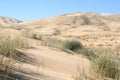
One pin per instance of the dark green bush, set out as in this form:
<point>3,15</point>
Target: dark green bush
<point>35,36</point>
<point>72,45</point>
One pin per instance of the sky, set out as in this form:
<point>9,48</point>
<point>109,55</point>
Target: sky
<point>27,10</point>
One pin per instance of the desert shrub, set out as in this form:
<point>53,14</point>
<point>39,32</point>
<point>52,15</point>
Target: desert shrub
<point>72,45</point>
<point>56,32</point>
<point>106,65</point>
<point>78,48</point>
<point>36,36</point>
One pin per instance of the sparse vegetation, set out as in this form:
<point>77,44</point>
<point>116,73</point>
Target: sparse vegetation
<point>106,65</point>
<point>31,34</point>
<point>72,45</point>
<point>8,49</point>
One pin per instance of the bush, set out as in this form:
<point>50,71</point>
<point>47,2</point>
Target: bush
<point>36,36</point>
<point>72,45</point>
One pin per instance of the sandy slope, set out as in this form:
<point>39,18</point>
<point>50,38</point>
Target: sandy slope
<point>56,64</point>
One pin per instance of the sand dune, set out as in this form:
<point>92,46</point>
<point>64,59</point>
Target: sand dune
<point>91,29</point>
<point>78,25</point>
<point>75,19</point>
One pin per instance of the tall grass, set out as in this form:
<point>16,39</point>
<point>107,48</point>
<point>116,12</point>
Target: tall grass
<point>106,65</point>
<point>8,49</point>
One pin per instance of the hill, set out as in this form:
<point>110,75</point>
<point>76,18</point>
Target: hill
<point>88,27</point>
<point>7,22</point>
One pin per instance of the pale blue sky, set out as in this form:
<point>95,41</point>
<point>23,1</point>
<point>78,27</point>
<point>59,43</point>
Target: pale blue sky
<point>36,9</point>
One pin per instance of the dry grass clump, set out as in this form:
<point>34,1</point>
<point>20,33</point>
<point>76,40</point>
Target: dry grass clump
<point>8,49</point>
<point>9,44</point>
<point>106,65</point>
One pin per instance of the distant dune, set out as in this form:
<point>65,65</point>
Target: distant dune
<point>89,27</point>
<point>97,21</point>
<point>6,21</point>
<point>75,19</point>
